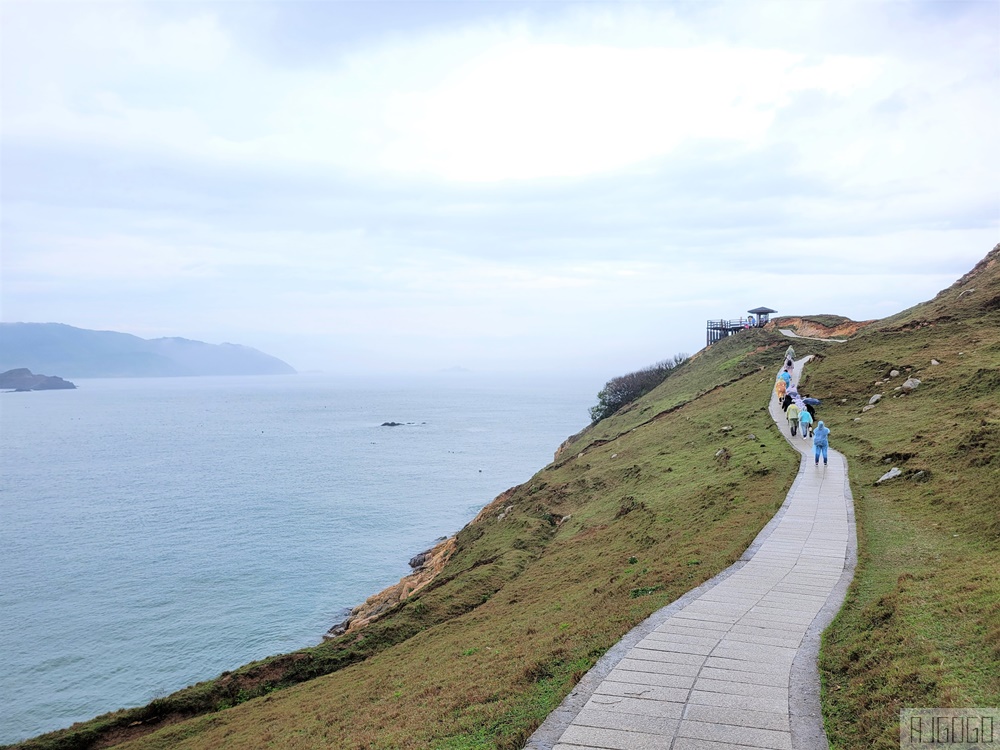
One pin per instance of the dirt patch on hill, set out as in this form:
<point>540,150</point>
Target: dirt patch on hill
<point>841,329</point>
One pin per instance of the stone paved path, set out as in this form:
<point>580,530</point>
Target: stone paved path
<point>732,664</point>
<point>793,335</point>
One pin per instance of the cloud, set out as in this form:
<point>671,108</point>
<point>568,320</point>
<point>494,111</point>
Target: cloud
<point>555,184</point>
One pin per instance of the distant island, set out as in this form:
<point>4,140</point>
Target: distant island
<point>81,353</point>
<point>23,379</point>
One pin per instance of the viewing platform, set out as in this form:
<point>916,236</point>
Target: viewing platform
<point>716,330</point>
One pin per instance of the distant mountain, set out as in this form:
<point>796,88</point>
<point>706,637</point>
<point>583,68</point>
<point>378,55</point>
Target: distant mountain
<point>80,353</point>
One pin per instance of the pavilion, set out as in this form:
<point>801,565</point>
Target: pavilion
<point>717,330</point>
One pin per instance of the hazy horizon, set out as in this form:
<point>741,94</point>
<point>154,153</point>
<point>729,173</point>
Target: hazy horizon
<point>536,187</point>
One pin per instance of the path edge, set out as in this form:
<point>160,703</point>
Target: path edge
<point>805,712</point>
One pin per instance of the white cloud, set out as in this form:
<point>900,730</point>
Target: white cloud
<point>490,103</point>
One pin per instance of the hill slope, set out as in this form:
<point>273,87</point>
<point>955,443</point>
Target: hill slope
<point>80,353</point>
<point>645,505</point>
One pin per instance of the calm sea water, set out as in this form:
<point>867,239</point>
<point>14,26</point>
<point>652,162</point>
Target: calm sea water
<point>157,532</point>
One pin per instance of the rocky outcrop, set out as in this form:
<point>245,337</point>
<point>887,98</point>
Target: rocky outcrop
<point>427,565</point>
<point>23,379</point>
<point>568,442</point>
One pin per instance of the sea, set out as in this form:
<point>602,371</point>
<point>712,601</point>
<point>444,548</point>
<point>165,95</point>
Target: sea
<point>156,532</point>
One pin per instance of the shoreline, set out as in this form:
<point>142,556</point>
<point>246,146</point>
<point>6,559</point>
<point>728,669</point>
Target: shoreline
<point>426,565</point>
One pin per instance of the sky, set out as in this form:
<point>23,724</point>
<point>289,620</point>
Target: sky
<point>505,187</point>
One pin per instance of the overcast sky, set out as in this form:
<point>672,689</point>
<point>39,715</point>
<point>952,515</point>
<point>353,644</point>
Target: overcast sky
<point>501,186</point>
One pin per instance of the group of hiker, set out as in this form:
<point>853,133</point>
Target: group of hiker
<point>800,411</point>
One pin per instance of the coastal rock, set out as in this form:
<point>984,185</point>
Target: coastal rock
<point>23,379</point>
<point>377,605</point>
<point>432,563</point>
<point>417,561</point>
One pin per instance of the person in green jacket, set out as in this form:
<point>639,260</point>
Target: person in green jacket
<point>793,418</point>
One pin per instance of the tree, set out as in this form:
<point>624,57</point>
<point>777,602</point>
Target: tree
<point>625,389</point>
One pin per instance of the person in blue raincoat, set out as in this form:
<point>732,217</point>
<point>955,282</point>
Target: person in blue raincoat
<point>805,422</point>
<point>821,442</point>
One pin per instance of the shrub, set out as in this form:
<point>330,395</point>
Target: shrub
<point>627,388</point>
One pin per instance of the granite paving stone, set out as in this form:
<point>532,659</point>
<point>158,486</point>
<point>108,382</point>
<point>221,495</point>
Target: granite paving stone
<point>658,667</point>
<point>738,717</point>
<point>645,692</point>
<point>613,739</point>
<point>747,702</point>
<point>752,736</point>
<point>594,717</point>
<point>659,709</point>
<point>734,675</point>
<point>774,692</point>
<point>650,678</point>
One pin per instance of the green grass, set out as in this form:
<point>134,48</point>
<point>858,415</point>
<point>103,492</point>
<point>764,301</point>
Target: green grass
<point>921,625</point>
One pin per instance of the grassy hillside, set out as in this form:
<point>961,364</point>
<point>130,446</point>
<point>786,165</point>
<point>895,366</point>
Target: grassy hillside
<point>639,509</point>
<point>921,626</point>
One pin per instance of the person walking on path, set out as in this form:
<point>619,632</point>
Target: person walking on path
<point>805,422</point>
<point>792,414</point>
<point>821,442</point>
<point>779,388</point>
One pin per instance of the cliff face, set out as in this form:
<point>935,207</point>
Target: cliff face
<point>23,379</point>
<point>427,566</point>
<point>432,562</point>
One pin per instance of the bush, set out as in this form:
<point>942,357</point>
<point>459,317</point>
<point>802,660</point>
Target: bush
<point>627,388</point>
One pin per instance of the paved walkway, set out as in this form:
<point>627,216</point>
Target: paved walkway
<point>793,335</point>
<point>731,664</point>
